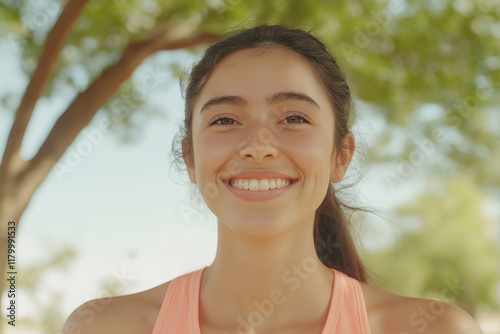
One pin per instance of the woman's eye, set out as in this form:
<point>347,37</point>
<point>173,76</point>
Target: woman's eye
<point>222,121</point>
<point>296,119</point>
<point>292,119</point>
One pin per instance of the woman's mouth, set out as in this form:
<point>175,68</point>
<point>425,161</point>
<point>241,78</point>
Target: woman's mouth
<point>259,184</point>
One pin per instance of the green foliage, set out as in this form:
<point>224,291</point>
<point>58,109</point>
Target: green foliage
<point>447,242</point>
<point>399,56</point>
<point>32,275</point>
<point>425,67</point>
<point>51,311</point>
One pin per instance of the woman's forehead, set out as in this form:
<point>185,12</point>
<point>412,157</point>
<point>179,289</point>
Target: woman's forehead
<point>259,73</point>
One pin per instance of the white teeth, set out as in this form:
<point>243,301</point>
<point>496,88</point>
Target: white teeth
<point>264,185</point>
<point>254,185</point>
<point>259,185</point>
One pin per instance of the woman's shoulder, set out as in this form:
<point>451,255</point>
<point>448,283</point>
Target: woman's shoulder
<point>135,313</point>
<point>392,313</point>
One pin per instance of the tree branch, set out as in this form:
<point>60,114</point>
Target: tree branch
<point>53,46</point>
<point>84,107</point>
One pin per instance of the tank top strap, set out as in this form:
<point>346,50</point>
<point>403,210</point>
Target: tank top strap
<point>347,313</point>
<point>179,311</point>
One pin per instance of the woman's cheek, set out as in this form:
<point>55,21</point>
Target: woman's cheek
<point>214,153</point>
<point>311,148</point>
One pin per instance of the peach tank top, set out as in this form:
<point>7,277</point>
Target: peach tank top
<point>179,311</point>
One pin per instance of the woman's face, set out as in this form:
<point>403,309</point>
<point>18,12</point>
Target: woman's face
<point>263,132</point>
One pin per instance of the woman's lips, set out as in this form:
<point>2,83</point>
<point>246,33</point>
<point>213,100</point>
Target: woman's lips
<point>259,184</point>
<point>258,195</point>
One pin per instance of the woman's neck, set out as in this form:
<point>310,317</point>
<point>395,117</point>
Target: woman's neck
<point>265,283</point>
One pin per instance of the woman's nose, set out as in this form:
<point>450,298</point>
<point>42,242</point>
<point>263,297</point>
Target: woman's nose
<point>258,146</point>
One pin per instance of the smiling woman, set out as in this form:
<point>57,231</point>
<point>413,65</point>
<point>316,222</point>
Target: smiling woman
<point>265,139</point>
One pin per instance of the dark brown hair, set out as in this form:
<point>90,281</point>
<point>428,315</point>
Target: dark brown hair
<point>334,244</point>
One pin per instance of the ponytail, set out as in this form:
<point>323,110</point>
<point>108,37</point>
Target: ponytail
<point>334,244</point>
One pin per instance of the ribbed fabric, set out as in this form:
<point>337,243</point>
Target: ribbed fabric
<point>179,311</point>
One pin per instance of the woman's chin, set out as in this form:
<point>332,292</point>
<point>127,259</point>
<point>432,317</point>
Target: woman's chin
<point>258,226</point>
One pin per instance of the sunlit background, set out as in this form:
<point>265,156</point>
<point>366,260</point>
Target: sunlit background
<point>114,217</point>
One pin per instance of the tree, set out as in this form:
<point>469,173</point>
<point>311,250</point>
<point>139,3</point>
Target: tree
<point>450,241</point>
<point>50,311</point>
<point>398,56</point>
<point>20,178</point>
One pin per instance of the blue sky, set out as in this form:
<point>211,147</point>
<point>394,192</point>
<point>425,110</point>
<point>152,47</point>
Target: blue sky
<point>125,211</point>
<point>121,207</point>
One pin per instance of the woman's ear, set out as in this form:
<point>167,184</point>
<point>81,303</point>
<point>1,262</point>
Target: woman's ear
<point>188,156</point>
<point>343,158</point>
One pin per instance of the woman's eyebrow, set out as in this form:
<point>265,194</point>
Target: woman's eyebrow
<point>276,98</point>
<point>291,96</point>
<point>226,99</point>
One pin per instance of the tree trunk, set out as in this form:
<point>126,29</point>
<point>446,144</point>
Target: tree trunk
<point>19,179</point>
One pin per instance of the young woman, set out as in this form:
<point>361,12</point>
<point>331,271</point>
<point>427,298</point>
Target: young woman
<point>266,137</point>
